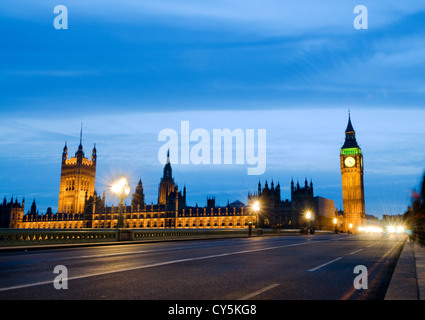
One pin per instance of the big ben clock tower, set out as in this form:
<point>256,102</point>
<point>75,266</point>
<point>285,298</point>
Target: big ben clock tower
<point>351,159</point>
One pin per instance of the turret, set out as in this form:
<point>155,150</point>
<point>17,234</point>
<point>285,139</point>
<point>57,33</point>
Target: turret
<point>94,154</point>
<point>65,153</point>
<point>138,200</point>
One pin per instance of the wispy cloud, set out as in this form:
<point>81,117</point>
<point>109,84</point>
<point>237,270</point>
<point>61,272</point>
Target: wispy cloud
<point>50,73</point>
<point>129,69</point>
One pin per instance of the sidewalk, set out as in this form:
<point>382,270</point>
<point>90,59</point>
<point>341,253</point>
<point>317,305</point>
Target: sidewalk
<point>420,270</point>
<point>408,281</point>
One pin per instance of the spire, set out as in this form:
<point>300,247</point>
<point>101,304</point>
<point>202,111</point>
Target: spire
<point>80,153</point>
<point>349,126</point>
<point>167,167</point>
<point>350,135</point>
<point>65,153</point>
<point>81,135</point>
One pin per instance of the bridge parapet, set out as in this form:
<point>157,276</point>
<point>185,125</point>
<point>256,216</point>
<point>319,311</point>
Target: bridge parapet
<point>22,237</point>
<point>41,237</point>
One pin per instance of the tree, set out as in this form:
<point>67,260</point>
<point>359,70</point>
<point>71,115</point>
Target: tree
<point>414,217</point>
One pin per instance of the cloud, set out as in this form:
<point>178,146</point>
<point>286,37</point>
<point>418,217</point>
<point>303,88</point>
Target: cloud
<point>129,69</point>
<point>50,73</point>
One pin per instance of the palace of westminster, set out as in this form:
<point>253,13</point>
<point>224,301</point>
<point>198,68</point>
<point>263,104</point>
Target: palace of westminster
<point>80,206</point>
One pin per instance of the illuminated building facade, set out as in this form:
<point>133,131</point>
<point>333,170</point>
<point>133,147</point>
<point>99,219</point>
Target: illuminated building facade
<point>77,183</point>
<point>81,207</point>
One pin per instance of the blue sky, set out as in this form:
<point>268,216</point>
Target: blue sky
<point>131,69</point>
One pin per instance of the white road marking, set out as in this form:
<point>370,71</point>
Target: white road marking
<point>325,264</point>
<point>258,292</point>
<point>356,251</point>
<point>116,254</point>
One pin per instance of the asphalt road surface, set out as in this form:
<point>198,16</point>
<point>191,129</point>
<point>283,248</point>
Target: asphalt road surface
<point>308,267</point>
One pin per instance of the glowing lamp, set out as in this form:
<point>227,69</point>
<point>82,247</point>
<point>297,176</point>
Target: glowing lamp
<point>308,215</point>
<point>121,189</point>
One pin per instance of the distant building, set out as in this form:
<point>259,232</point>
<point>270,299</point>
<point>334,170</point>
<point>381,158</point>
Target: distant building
<point>325,213</point>
<point>11,213</point>
<point>392,219</point>
<point>291,214</point>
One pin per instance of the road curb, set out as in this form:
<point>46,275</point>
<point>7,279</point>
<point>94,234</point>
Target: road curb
<point>404,284</point>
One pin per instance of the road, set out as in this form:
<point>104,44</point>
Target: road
<point>307,267</point>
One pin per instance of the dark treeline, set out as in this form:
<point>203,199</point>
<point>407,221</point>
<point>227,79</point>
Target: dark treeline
<point>414,217</point>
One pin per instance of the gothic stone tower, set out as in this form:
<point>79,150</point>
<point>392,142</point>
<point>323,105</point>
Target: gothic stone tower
<point>12,213</point>
<point>167,183</point>
<point>138,199</point>
<point>302,201</point>
<point>77,180</point>
<point>351,161</point>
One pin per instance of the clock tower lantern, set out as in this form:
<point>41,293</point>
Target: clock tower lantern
<point>351,161</point>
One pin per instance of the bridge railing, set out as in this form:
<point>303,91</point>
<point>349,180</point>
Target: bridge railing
<point>35,237</point>
<point>143,234</point>
<point>23,237</point>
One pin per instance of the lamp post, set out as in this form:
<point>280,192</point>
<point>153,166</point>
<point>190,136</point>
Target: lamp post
<point>122,190</point>
<point>309,217</point>
<point>256,208</point>
<point>336,225</point>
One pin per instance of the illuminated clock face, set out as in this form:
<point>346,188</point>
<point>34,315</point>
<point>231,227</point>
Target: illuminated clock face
<point>350,162</point>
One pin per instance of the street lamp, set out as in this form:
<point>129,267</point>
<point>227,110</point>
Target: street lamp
<point>336,225</point>
<point>308,215</point>
<point>256,208</point>
<point>309,224</point>
<point>122,190</point>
